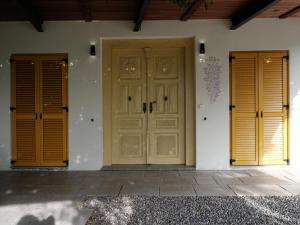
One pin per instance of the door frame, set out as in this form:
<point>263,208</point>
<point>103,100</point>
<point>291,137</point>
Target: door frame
<point>190,128</point>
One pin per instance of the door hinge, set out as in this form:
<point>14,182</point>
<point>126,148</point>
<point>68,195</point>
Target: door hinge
<point>12,108</point>
<point>65,108</point>
<point>66,162</point>
<point>286,57</point>
<point>13,161</point>
<point>232,161</point>
<point>231,107</point>
<point>287,161</point>
<point>65,61</point>
<point>286,106</point>
<point>231,58</point>
<point>11,60</point>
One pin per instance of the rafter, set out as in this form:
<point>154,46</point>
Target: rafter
<point>138,20</point>
<point>189,12</point>
<point>251,11</point>
<point>33,16</point>
<point>290,13</point>
<point>86,10</point>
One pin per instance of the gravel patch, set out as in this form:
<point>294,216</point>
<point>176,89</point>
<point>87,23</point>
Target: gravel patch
<point>155,210</point>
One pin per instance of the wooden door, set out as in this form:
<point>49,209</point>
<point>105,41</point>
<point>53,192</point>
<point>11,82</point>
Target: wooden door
<point>39,95</point>
<point>53,110</point>
<point>24,105</point>
<point>129,101</point>
<point>259,114</point>
<point>273,88</point>
<point>166,106</point>
<point>244,109</point>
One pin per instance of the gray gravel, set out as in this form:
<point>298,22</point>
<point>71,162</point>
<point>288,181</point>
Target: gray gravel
<point>193,210</point>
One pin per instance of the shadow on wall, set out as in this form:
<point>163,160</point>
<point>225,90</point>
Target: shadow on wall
<point>32,220</point>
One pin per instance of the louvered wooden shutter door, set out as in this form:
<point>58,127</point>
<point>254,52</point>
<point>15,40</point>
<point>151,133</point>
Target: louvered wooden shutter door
<point>273,97</point>
<point>24,107</point>
<point>53,99</point>
<point>244,128</point>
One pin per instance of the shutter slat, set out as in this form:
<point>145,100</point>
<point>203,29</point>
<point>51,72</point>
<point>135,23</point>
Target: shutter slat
<point>25,86</point>
<point>53,140</point>
<point>25,140</point>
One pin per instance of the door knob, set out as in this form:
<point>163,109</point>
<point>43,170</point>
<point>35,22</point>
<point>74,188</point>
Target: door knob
<point>144,107</point>
<point>151,106</point>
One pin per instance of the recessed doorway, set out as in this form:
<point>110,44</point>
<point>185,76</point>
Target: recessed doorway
<point>148,101</point>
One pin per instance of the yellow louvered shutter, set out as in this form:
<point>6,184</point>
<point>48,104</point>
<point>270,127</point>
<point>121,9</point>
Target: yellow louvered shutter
<point>244,121</point>
<point>24,106</point>
<point>53,110</point>
<point>274,116</point>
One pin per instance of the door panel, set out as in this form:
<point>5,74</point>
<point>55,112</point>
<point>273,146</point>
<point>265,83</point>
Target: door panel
<point>273,97</point>
<point>24,105</point>
<point>128,95</point>
<point>53,116</point>
<point>244,111</point>
<point>166,92</point>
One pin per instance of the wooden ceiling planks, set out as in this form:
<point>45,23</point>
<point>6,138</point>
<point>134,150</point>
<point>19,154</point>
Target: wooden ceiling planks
<point>51,10</point>
<point>280,8</point>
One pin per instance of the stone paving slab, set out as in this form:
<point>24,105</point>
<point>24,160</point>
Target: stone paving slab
<point>259,190</point>
<point>140,189</point>
<point>176,190</point>
<point>266,180</point>
<point>292,188</point>
<point>213,190</point>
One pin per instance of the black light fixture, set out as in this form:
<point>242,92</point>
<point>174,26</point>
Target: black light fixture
<point>92,50</point>
<point>202,48</point>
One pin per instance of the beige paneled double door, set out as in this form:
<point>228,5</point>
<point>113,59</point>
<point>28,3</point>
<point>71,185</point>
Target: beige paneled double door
<point>148,105</point>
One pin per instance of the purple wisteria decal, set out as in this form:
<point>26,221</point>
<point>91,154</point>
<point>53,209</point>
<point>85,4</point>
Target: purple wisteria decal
<point>212,74</point>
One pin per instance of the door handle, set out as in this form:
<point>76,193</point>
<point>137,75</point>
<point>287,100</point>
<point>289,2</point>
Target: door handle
<point>41,117</point>
<point>151,106</point>
<point>144,107</point>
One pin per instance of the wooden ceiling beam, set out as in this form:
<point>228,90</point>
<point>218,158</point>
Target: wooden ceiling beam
<point>33,16</point>
<point>250,12</point>
<point>138,20</point>
<point>290,13</point>
<point>189,12</point>
<point>86,10</point>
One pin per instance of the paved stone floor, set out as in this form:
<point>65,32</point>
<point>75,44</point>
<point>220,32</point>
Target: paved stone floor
<point>47,196</point>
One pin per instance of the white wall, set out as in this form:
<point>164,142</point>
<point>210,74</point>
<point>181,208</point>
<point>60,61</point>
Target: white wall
<point>85,98</point>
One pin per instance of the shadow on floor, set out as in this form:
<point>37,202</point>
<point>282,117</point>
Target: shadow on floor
<point>32,220</point>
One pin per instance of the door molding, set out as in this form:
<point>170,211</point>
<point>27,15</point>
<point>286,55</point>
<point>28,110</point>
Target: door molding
<point>188,45</point>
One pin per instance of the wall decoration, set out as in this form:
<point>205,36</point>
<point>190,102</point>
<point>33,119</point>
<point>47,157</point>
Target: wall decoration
<point>212,76</point>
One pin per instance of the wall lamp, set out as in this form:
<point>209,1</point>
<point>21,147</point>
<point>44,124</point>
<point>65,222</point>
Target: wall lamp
<point>201,52</point>
<point>92,50</point>
<point>202,48</point>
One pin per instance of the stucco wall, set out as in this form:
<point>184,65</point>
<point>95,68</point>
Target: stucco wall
<point>85,97</point>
